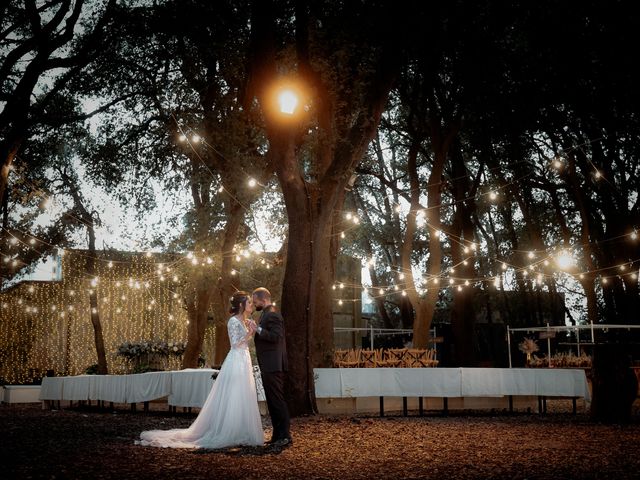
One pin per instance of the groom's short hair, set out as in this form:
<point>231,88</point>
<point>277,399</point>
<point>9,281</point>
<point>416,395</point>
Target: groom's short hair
<point>262,293</point>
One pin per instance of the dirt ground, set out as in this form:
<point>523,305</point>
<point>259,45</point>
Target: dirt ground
<point>89,443</point>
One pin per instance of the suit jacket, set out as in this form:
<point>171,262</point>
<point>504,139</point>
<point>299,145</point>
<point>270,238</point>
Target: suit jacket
<point>271,347</point>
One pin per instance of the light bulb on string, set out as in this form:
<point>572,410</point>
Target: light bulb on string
<point>564,260</point>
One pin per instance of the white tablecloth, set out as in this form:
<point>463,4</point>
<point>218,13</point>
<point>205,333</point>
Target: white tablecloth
<point>449,382</point>
<point>184,388</point>
<point>190,387</point>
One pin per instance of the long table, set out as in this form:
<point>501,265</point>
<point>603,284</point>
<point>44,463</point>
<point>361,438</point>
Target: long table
<point>450,382</point>
<point>183,388</point>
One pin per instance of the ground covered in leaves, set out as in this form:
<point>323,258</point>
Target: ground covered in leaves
<point>99,444</point>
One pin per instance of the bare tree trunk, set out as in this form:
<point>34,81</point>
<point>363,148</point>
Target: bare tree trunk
<point>311,203</point>
<point>422,314</point>
<point>226,288</point>
<point>7,161</point>
<point>198,301</point>
<point>89,221</point>
<point>463,319</point>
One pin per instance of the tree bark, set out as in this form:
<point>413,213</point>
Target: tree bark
<point>225,284</point>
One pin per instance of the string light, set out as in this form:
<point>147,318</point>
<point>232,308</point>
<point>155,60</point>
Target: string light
<point>64,342</point>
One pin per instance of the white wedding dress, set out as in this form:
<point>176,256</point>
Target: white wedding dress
<point>230,415</point>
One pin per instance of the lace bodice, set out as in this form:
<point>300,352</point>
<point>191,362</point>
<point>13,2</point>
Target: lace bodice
<point>238,334</point>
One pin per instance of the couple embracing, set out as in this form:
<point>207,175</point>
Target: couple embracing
<point>230,416</point>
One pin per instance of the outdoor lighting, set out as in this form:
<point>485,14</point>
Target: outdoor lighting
<point>287,101</point>
<point>252,182</point>
<point>564,260</point>
<point>195,138</point>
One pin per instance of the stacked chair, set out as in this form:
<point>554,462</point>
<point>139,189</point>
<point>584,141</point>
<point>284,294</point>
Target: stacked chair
<point>389,358</point>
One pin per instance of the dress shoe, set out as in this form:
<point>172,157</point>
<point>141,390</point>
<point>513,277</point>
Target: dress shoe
<point>282,442</point>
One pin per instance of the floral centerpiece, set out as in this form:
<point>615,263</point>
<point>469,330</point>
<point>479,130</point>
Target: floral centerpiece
<point>528,346</point>
<point>149,355</point>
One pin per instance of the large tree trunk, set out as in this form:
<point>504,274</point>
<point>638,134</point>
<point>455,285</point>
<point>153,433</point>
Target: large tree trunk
<point>313,192</point>
<point>424,314</point>
<point>421,307</point>
<point>463,319</point>
<point>300,277</point>
<point>198,301</point>
<point>226,287</point>
<point>98,336</point>
<point>7,156</point>
<point>90,268</point>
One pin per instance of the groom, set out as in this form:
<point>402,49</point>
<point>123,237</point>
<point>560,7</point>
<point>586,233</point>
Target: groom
<point>271,351</point>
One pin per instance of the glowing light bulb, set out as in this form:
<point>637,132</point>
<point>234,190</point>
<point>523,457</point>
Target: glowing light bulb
<point>564,260</point>
<point>287,101</point>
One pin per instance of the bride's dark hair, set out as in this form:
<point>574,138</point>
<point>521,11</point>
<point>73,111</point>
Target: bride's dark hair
<point>237,299</point>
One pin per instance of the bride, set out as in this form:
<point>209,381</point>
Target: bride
<point>230,415</point>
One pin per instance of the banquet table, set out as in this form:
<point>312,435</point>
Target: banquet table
<point>450,382</point>
<point>183,388</point>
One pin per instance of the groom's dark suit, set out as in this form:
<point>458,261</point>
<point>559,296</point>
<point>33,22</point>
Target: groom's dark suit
<point>271,351</point>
